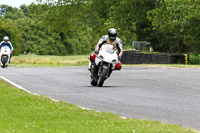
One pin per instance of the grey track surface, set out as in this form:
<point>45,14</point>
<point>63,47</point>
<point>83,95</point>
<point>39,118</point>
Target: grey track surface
<point>171,95</point>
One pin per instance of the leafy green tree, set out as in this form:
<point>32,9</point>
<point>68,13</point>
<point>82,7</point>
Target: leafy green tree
<point>66,27</point>
<point>176,24</point>
<point>65,17</point>
<point>9,28</point>
<point>38,39</point>
<point>129,17</point>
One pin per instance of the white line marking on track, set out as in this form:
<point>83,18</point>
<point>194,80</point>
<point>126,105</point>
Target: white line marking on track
<point>84,108</point>
<point>123,117</point>
<point>20,87</point>
<point>14,84</point>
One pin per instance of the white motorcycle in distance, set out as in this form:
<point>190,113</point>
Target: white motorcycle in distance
<point>5,56</point>
<point>103,64</point>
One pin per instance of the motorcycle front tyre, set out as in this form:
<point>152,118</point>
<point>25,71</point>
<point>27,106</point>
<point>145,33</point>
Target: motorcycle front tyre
<point>4,60</point>
<point>102,77</point>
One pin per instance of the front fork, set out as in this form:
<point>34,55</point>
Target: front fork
<point>106,66</point>
<point>96,70</point>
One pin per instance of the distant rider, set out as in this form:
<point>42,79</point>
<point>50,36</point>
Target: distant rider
<point>6,42</point>
<point>112,39</point>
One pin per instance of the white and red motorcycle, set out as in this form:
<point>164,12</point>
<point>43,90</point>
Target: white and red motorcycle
<point>103,64</point>
<point>5,56</point>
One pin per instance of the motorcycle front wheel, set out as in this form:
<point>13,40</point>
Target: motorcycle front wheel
<point>102,77</point>
<point>4,61</point>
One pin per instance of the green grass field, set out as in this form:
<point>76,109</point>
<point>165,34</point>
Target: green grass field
<point>21,112</point>
<point>76,60</point>
<point>51,61</point>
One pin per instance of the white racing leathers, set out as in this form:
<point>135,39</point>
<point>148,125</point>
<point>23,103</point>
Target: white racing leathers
<point>117,44</point>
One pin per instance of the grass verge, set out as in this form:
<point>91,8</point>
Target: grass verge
<point>51,61</point>
<point>76,60</point>
<point>21,112</point>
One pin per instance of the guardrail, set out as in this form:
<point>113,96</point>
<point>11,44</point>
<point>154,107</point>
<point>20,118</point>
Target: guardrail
<point>132,57</point>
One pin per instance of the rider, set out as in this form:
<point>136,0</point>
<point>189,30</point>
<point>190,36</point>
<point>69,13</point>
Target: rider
<point>6,42</point>
<point>112,39</point>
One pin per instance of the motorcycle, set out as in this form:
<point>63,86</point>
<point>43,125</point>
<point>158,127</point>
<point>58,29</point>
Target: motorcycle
<point>103,64</point>
<point>5,56</point>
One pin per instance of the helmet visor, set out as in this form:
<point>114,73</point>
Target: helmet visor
<point>112,36</point>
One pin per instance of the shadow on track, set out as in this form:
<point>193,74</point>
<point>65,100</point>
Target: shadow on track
<point>105,86</point>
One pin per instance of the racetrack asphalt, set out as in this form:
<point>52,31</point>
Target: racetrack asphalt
<point>165,94</point>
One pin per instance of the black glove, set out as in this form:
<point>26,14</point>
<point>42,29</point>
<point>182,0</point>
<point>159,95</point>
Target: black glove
<point>96,51</point>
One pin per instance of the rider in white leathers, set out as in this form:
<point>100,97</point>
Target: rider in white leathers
<point>112,39</point>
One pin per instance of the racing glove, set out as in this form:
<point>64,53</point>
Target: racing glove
<point>96,51</point>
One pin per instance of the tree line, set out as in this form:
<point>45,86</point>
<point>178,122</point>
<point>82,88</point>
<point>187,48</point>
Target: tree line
<point>67,27</point>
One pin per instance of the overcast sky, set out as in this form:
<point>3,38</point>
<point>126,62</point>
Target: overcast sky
<point>16,3</point>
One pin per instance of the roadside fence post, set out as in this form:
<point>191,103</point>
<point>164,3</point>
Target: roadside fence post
<point>186,59</point>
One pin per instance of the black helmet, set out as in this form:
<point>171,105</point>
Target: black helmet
<point>112,34</point>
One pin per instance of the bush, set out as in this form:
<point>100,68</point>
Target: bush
<point>194,59</point>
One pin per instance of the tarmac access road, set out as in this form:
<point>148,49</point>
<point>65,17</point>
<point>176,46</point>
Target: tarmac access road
<point>165,94</point>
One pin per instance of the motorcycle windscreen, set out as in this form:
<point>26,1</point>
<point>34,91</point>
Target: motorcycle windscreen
<point>5,50</point>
